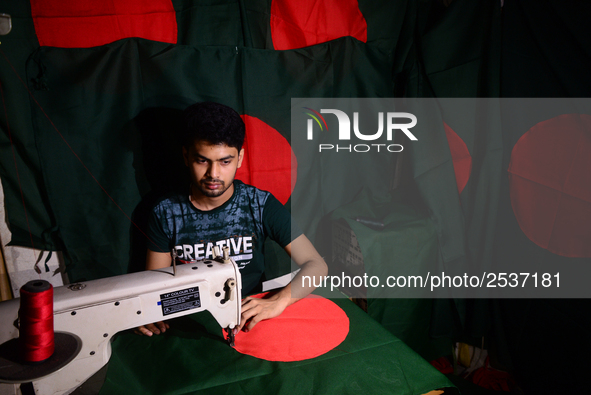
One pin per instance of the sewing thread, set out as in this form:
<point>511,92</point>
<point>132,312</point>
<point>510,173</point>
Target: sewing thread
<point>36,321</point>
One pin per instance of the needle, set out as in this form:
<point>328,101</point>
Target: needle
<point>174,256</point>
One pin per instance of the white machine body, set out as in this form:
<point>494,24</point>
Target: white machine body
<point>95,310</point>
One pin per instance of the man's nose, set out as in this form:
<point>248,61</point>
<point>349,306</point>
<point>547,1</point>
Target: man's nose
<point>214,170</point>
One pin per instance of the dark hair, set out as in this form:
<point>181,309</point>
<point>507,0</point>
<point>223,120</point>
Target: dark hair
<point>214,123</point>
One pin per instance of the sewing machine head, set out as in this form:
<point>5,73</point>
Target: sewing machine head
<point>88,314</point>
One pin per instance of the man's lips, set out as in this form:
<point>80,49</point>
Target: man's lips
<point>212,185</point>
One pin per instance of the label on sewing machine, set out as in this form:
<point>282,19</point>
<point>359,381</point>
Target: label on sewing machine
<point>181,300</point>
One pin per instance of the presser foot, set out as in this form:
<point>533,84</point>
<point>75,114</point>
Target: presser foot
<point>231,336</point>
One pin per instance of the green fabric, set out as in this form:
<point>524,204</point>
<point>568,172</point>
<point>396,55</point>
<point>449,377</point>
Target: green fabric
<point>546,49</point>
<point>28,215</point>
<point>192,358</point>
<point>407,245</point>
<point>460,49</point>
<point>411,321</point>
<point>459,54</point>
<point>546,53</point>
<point>215,22</point>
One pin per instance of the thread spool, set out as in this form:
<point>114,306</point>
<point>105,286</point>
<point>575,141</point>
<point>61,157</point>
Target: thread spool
<point>36,336</point>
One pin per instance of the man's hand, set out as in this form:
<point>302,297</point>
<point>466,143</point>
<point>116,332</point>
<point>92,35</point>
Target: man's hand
<point>255,310</point>
<point>152,329</point>
<point>155,260</point>
<point>312,265</point>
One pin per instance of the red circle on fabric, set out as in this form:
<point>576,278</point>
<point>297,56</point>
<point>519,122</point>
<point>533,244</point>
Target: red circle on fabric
<point>90,23</point>
<point>308,328</point>
<point>461,158</point>
<point>550,184</point>
<point>268,160</point>
<point>301,23</point>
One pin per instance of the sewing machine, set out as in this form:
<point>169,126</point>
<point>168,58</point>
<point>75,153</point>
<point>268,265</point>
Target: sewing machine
<point>88,314</point>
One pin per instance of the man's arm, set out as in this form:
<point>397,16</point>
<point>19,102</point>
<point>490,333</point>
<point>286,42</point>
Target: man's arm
<point>155,260</point>
<point>303,253</point>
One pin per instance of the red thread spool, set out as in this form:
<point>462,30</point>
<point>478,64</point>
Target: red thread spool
<point>36,321</point>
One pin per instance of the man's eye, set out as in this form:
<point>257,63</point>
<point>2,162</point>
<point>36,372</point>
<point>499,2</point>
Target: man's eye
<point>200,160</point>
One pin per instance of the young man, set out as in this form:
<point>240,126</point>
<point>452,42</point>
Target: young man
<point>218,210</point>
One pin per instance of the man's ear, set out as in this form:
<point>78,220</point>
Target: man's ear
<point>240,157</point>
<point>186,156</point>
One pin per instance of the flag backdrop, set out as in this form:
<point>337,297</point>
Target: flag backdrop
<point>90,81</point>
<point>456,170</point>
<point>546,52</point>
<point>91,93</point>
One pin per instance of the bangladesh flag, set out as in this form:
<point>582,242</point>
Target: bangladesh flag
<point>92,93</point>
<point>543,213</point>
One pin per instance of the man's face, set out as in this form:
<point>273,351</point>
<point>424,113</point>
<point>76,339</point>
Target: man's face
<point>212,167</point>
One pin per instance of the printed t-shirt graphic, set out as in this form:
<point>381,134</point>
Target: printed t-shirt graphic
<point>242,224</point>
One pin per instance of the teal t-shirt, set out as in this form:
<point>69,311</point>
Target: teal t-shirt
<point>242,223</point>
